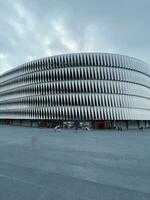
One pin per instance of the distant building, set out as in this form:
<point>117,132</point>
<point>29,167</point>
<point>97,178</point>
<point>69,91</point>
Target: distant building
<point>98,90</point>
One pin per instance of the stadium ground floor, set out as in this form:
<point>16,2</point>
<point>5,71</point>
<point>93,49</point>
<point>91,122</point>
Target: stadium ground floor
<point>97,124</point>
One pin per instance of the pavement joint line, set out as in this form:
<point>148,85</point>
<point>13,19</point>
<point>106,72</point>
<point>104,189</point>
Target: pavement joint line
<point>13,178</point>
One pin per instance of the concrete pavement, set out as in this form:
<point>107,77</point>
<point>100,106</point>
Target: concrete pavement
<point>44,164</point>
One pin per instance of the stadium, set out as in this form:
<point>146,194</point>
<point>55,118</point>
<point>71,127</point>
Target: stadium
<point>95,90</point>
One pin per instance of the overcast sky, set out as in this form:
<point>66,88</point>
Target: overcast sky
<point>31,29</point>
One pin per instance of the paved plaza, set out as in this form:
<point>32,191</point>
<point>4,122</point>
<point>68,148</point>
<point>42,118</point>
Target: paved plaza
<point>44,164</point>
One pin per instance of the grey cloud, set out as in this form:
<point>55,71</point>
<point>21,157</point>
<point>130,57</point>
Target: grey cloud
<point>33,29</point>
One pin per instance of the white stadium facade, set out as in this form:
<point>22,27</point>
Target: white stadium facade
<point>98,90</point>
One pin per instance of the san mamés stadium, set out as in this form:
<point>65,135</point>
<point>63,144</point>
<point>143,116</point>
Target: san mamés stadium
<point>98,90</point>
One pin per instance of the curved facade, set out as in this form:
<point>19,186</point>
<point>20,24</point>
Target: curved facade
<point>83,86</point>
